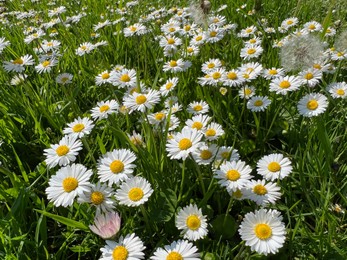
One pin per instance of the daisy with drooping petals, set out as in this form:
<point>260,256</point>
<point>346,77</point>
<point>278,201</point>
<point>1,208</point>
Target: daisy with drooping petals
<point>106,225</point>
<point>64,78</point>
<point>169,85</point>
<point>192,222</point>
<point>116,166</point>
<point>99,196</point>
<point>180,249</point>
<point>64,152</point>
<point>262,193</point>
<point>129,247</point>
<point>141,101</point>
<point>184,143</point>
<point>338,89</point>
<point>312,104</point>
<point>274,166</point>
<point>228,153</point>
<point>263,230</point>
<point>69,182</point>
<point>258,103</point>
<point>79,127</point>
<point>104,109</point>
<point>18,65</point>
<point>134,192</point>
<point>233,175</point>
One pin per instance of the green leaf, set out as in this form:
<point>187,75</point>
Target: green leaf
<point>224,226</point>
<point>63,220</point>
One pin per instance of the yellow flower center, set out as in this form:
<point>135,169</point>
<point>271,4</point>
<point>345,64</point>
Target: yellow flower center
<point>120,253</point>
<point>46,63</point>
<point>172,29</point>
<point>216,75</point>
<point>105,75</point>
<point>237,194</point>
<point>312,104</point>
<point>252,41</point>
<point>117,166</point>
<point>274,167</point>
<point>169,86</point>
<point>187,28</point>
<point>18,61</point>
<point>135,194</point>
<point>205,154</point>
<point>340,92</point>
<point>258,103</point>
<point>173,63</point>
<point>70,184</point>
<point>249,30</point>
<point>62,150</point>
<point>104,108</point>
<point>159,116</point>
<point>141,99</point>
<point>232,75</point>
<point>125,78</point>
<point>64,79</point>
<point>198,38</point>
<point>49,44</point>
<point>197,108</point>
<point>273,72</point>
<point>233,175</point>
<point>210,65</point>
<point>193,222</point>
<point>263,231</point>
<point>317,66</point>
<point>210,132</point>
<point>83,47</point>
<point>246,76</point>
<point>247,91</point>
<point>312,27</point>
<point>133,28</point>
<point>174,256</point>
<point>213,34</point>
<point>78,128</point>
<point>225,155</point>
<point>285,84</point>
<point>190,49</point>
<point>308,76</point>
<point>97,197</point>
<point>339,54</point>
<point>289,22</point>
<point>197,125</point>
<point>259,189</point>
<point>184,144</point>
<point>251,51</point>
<point>170,41</point>
<point>215,20</point>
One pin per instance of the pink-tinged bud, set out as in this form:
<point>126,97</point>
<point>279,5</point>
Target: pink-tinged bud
<point>106,225</point>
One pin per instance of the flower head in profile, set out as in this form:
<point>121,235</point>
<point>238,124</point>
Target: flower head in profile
<point>263,230</point>
<point>106,225</point>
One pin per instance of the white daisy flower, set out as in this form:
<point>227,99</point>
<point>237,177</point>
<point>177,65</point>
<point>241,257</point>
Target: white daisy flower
<point>192,50</point>
<point>169,85</point>
<point>338,89</point>
<point>104,109</point>
<point>157,118</point>
<point>283,85</point>
<point>18,65</point>
<point>46,66</point>
<point>116,166</point>
<point>233,175</point>
<point>205,154</point>
<point>247,92</point>
<point>192,223</point>
<point>313,26</point>
<point>180,249</point>
<point>69,182</point>
<point>142,101</point>
<point>213,78</point>
<point>262,193</point>
<point>251,51</point>
<point>79,127</point>
<point>64,78</point>
<point>105,77</point>
<point>106,225</point>
<point>274,166</point>
<point>99,196</point>
<point>125,78</point>
<point>170,43</point>
<point>174,66</point>
<point>213,131</point>
<point>233,78</point>
<point>174,122</point>
<point>64,152</point>
<point>135,29</point>
<point>227,153</point>
<point>129,247</point>
<point>84,48</point>
<point>198,39</point>
<point>273,73</point>
<point>238,194</point>
<point>214,33</point>
<point>312,104</point>
<point>311,77</point>
<point>199,122</point>
<point>248,31</point>
<point>134,192</point>
<point>263,230</point>
<point>211,65</point>
<point>289,22</point>
<point>18,79</point>
<point>183,143</point>
<point>198,107</point>
<point>258,103</point>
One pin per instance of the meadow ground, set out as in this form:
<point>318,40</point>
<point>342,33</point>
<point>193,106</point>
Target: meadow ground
<point>173,129</point>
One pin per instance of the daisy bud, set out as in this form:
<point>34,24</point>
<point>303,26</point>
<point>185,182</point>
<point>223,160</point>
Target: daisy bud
<point>106,225</point>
